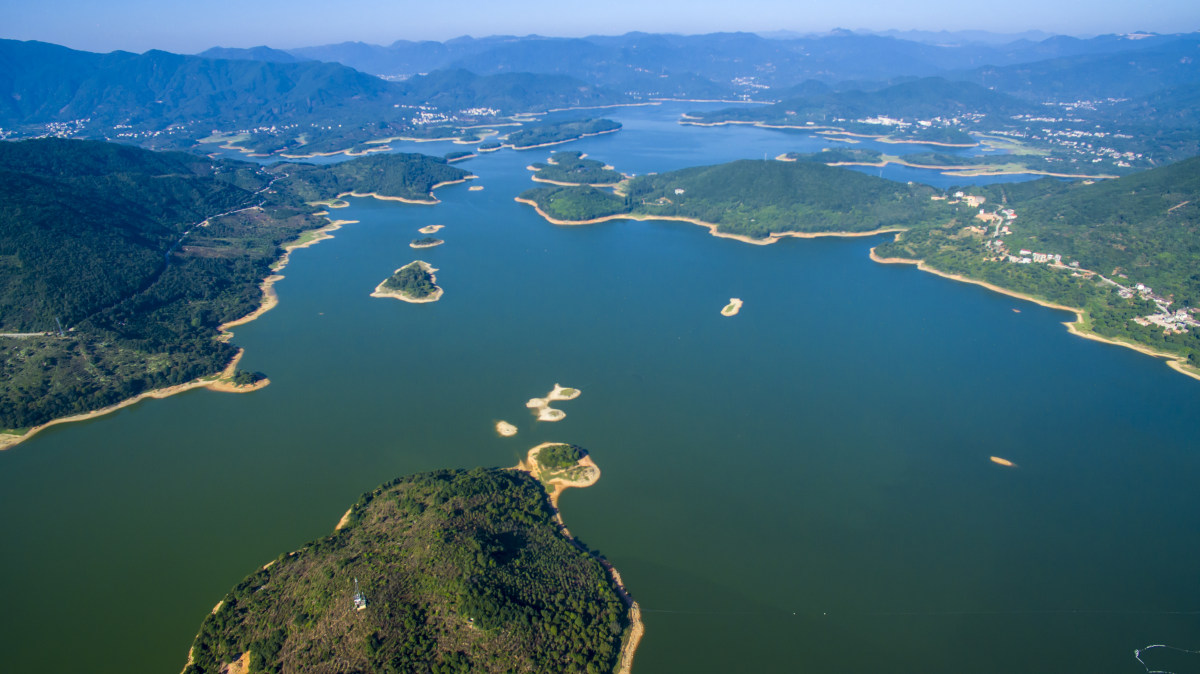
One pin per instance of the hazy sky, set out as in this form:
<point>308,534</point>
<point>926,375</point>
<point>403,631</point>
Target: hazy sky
<point>189,26</point>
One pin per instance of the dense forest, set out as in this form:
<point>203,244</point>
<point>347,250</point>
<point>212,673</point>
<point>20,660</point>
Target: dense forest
<point>570,166</point>
<point>1143,228</point>
<point>119,264</point>
<point>459,571</point>
<point>408,176</point>
<point>558,132</point>
<point>412,280</point>
<point>756,198</point>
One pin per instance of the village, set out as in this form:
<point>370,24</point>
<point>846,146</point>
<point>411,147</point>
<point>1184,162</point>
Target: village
<point>1000,222</point>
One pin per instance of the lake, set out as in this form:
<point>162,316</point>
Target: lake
<point>803,487</point>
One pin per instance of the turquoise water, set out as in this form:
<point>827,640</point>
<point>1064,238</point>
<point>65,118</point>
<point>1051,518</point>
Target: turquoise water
<point>803,487</point>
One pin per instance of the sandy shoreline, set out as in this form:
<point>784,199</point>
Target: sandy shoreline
<point>560,142</point>
<point>557,485</point>
<point>541,406</point>
<point>1174,361</point>
<point>219,382</point>
<point>214,382</point>
<point>424,202</point>
<point>712,229</point>
<point>434,296</point>
<point>732,309</point>
<point>505,429</point>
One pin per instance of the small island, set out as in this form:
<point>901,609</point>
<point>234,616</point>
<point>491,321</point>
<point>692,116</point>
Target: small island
<point>426,242</point>
<point>414,282</point>
<point>475,188</point>
<point>541,406</point>
<point>731,309</point>
<point>560,466</point>
<point>573,168</point>
<point>430,229</point>
<point>554,133</point>
<point>505,429</point>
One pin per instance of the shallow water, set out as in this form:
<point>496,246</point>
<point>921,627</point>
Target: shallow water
<point>805,486</point>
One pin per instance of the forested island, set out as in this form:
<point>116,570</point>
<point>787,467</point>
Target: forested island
<point>553,133</point>
<point>414,282</point>
<point>426,242</point>
<point>570,167</point>
<point>122,264</point>
<point>450,571</point>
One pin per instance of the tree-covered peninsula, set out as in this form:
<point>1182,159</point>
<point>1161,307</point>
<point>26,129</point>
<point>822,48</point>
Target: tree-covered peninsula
<point>1124,252</point>
<point>120,265</point>
<point>754,199</point>
<point>451,571</point>
<point>552,133</point>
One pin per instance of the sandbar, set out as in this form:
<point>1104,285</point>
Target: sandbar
<point>1174,361</point>
<point>434,296</point>
<point>430,229</point>
<point>1002,462</point>
<point>505,429</point>
<point>541,406</point>
<point>712,228</point>
<point>731,309</point>
<point>475,188</point>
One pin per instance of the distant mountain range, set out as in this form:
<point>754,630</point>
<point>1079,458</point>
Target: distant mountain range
<point>337,96</point>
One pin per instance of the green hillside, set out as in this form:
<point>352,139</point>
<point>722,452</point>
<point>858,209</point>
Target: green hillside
<point>105,240</point>
<point>459,571</point>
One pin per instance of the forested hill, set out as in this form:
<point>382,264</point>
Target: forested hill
<point>106,240</point>
<point>755,198</point>
<point>164,99</point>
<point>458,571</point>
<point>1145,225</point>
<point>403,175</point>
<point>83,224</point>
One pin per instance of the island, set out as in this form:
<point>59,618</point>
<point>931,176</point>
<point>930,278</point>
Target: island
<point>505,429</point>
<point>555,133</point>
<point>573,168</point>
<point>732,309</point>
<point>541,406</point>
<point>426,242</point>
<point>463,570</point>
<point>431,229</point>
<point>413,283</point>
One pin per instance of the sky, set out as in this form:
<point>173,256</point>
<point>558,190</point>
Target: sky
<point>189,26</point>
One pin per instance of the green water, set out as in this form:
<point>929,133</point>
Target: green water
<point>803,487</point>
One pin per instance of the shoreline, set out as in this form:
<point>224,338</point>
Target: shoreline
<point>774,237</point>
<point>434,296</point>
<point>1174,361</point>
<point>212,382</point>
<point>637,628</point>
<point>560,142</point>
<point>218,382</point>
<point>432,200</point>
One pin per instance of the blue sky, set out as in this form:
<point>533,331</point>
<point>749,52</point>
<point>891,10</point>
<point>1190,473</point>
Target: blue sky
<point>188,26</point>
